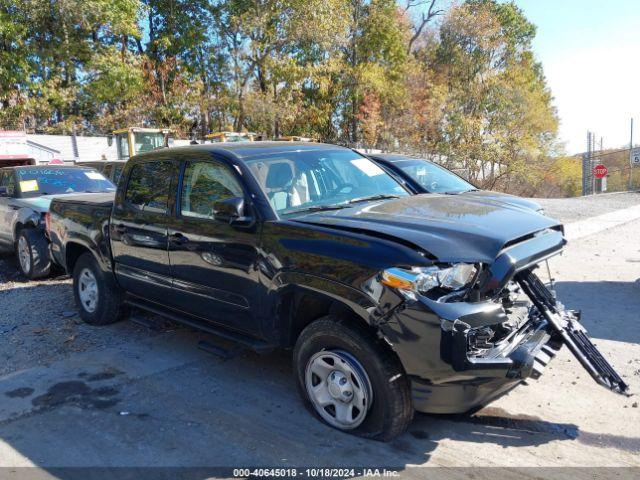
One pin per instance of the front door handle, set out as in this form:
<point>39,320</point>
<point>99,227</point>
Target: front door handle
<point>178,238</point>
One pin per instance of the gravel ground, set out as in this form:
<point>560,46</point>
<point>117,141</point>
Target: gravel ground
<point>39,323</point>
<point>142,397</point>
<point>578,208</point>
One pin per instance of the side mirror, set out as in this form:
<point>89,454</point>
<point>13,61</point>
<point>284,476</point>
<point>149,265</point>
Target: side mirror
<point>110,140</point>
<point>231,211</point>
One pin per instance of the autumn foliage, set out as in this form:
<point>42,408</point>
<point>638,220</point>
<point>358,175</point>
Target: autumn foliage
<point>455,82</point>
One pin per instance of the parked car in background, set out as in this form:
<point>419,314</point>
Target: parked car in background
<point>111,169</point>
<point>25,195</point>
<point>425,176</point>
<point>391,302</point>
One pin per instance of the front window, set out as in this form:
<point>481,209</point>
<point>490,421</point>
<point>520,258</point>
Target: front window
<point>434,178</point>
<point>147,141</point>
<point>35,181</point>
<point>297,181</point>
<point>204,184</point>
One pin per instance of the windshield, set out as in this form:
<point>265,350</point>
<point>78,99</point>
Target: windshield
<point>146,141</point>
<point>434,178</point>
<point>298,181</point>
<point>33,182</point>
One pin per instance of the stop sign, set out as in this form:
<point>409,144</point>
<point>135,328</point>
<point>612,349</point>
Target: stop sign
<point>600,171</point>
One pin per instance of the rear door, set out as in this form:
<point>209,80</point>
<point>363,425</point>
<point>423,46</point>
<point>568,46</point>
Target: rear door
<point>213,263</point>
<point>139,229</point>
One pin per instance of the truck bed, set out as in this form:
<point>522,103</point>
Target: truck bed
<point>97,199</point>
<point>81,220</point>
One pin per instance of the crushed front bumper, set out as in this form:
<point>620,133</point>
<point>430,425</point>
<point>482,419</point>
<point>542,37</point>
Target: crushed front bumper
<point>524,355</point>
<point>452,368</point>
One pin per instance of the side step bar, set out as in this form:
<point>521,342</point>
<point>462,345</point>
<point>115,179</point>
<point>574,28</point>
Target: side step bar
<point>244,340</point>
<point>572,333</point>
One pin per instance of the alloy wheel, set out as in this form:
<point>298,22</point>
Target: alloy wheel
<point>24,254</point>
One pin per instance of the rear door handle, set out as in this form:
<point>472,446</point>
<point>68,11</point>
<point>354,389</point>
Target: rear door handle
<point>178,238</point>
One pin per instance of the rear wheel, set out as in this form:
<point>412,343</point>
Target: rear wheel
<point>32,252</point>
<point>97,298</point>
<point>351,381</point>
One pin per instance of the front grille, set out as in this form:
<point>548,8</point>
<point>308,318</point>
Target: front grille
<point>520,319</point>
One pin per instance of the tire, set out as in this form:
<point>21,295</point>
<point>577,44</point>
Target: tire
<point>99,301</point>
<point>32,253</point>
<point>371,367</point>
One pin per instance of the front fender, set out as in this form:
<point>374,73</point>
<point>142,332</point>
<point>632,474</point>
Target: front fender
<point>355,300</point>
<point>25,217</point>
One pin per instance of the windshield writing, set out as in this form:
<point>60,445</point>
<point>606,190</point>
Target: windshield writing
<point>55,181</point>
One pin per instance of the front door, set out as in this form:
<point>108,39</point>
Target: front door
<point>139,230</point>
<point>213,263</point>
<point>7,209</point>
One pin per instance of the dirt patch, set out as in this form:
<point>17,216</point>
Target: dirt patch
<point>19,392</point>
<point>76,393</point>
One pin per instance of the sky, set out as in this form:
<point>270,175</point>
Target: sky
<point>590,52</point>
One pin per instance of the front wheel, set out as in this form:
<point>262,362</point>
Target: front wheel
<point>32,252</point>
<point>98,299</point>
<point>351,381</point>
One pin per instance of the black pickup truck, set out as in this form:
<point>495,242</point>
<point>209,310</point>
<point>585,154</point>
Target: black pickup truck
<point>391,302</point>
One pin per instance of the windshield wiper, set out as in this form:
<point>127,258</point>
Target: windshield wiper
<point>317,208</point>
<point>372,197</point>
<point>458,192</point>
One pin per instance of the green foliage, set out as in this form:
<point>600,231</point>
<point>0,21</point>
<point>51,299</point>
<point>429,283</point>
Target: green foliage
<point>496,118</point>
<point>377,73</point>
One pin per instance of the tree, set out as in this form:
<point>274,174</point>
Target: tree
<point>459,84</point>
<point>375,59</point>
<point>56,41</point>
<point>428,11</point>
<point>14,65</point>
<point>498,116</point>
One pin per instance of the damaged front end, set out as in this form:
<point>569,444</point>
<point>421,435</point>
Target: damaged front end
<point>466,336</point>
<point>519,342</point>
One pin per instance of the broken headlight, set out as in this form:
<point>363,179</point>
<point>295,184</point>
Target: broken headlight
<point>423,279</point>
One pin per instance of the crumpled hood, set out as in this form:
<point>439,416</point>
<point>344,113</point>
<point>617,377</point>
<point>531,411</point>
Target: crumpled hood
<point>452,228</point>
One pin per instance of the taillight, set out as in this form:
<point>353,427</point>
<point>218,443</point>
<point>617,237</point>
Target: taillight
<point>47,223</point>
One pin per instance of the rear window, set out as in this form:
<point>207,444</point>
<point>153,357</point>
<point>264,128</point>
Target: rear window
<point>148,187</point>
<point>55,181</point>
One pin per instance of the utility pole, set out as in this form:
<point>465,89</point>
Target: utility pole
<point>586,162</point>
<point>631,164</point>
